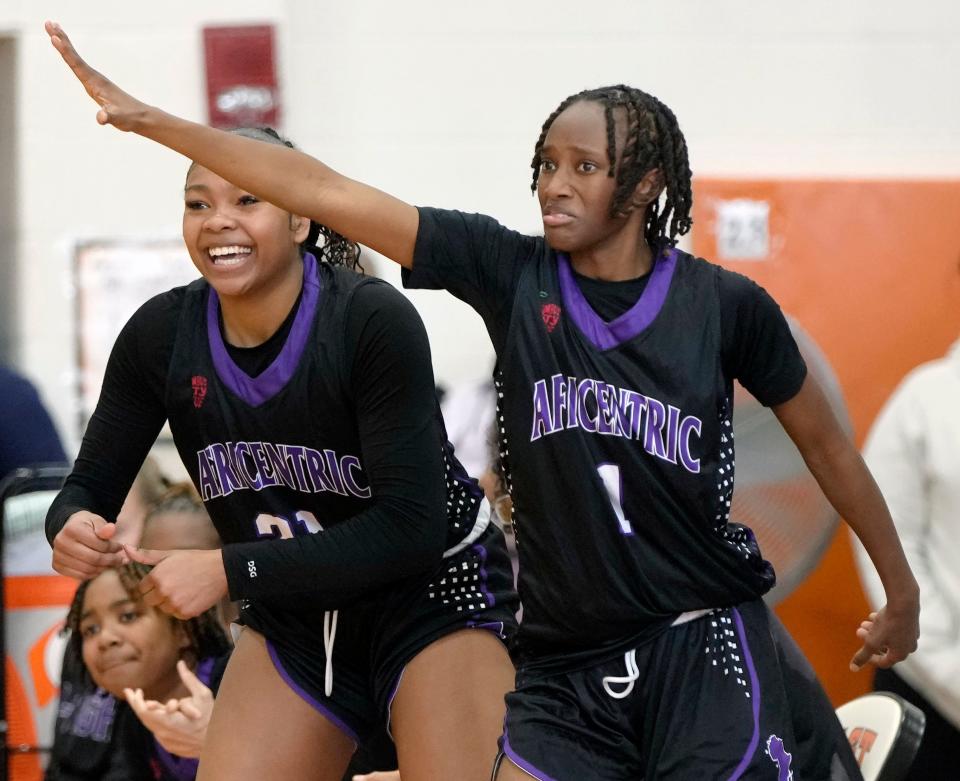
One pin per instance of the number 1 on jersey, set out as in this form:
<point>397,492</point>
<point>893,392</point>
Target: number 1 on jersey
<point>610,475</point>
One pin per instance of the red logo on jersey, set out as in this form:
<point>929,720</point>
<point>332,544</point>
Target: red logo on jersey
<point>861,741</point>
<point>551,316</point>
<point>199,384</point>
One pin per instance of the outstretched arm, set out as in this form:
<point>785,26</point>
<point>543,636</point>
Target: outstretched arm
<point>285,177</point>
<point>891,634</point>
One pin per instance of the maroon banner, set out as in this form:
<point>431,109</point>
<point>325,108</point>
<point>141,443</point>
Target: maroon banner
<point>242,86</point>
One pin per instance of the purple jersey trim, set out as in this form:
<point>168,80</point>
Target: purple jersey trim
<point>520,762</point>
<point>754,696</point>
<point>309,699</point>
<point>256,390</point>
<point>599,332</point>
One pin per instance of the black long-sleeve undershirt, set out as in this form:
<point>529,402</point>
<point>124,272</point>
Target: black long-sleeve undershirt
<point>392,387</point>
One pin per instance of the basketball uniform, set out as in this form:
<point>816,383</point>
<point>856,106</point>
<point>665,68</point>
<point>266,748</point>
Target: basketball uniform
<point>279,455</point>
<point>645,649</point>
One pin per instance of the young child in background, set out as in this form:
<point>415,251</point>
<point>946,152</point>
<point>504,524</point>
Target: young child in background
<point>125,646</point>
<point>90,721</point>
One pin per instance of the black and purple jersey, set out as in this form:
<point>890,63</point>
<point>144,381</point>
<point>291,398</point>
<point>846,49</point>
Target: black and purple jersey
<point>332,425</point>
<point>616,436</point>
<point>282,454</point>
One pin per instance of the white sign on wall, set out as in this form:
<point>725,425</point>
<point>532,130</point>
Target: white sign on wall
<point>114,278</point>
<point>743,229</point>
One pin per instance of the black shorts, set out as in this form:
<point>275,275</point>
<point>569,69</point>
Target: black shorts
<point>376,637</point>
<point>725,696</point>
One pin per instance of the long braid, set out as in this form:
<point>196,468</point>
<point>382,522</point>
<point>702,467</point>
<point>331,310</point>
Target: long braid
<point>72,622</point>
<point>653,140</point>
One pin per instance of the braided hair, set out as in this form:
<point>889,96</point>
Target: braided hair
<point>322,242</point>
<point>653,141</point>
<point>204,632</point>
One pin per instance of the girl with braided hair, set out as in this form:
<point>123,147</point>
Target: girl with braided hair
<point>95,738</point>
<point>130,651</point>
<point>645,649</point>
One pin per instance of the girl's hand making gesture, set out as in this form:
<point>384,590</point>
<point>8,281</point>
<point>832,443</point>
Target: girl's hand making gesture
<point>180,726</point>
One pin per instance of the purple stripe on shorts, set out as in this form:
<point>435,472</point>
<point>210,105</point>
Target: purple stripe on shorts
<point>390,699</point>
<point>488,595</point>
<point>755,696</point>
<point>520,762</point>
<point>496,627</point>
<point>305,695</point>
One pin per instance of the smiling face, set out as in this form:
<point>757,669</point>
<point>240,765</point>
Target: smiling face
<point>574,188</point>
<point>125,643</point>
<point>242,245</point>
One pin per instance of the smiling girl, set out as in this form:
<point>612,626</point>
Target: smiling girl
<point>376,593</point>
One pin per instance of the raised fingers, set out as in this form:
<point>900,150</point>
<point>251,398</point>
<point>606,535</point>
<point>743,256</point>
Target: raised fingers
<point>117,108</point>
<point>86,75</point>
<point>136,701</point>
<point>197,688</point>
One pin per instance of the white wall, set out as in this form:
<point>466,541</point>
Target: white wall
<point>80,181</point>
<point>440,103</point>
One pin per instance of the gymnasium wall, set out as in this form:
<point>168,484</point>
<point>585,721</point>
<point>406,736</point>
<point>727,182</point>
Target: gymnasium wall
<point>441,103</point>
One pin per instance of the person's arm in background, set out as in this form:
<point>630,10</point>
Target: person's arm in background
<point>27,434</point>
<point>897,452</point>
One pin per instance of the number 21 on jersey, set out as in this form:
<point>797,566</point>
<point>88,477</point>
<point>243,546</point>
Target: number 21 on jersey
<point>284,527</point>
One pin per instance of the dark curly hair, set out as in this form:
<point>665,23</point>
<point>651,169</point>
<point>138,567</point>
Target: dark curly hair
<point>653,140</point>
<point>204,632</point>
